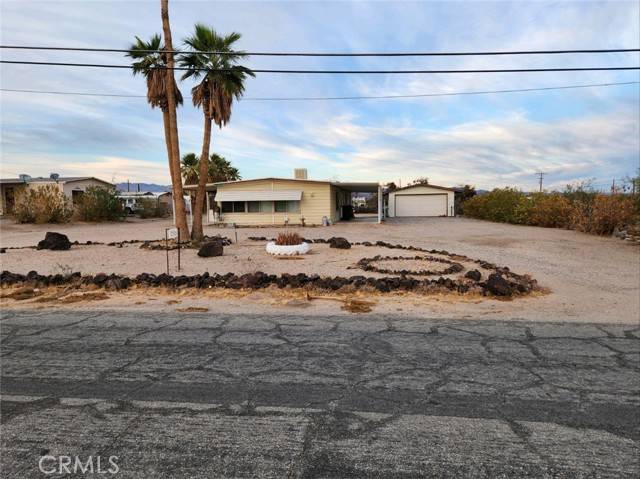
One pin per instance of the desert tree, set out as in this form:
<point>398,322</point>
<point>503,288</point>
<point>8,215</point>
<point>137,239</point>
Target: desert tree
<point>213,62</point>
<point>220,169</point>
<point>150,61</point>
<point>174,153</point>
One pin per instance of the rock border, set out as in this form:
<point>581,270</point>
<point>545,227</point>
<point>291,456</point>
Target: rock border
<point>366,264</point>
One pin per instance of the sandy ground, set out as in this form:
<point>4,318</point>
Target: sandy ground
<point>591,279</point>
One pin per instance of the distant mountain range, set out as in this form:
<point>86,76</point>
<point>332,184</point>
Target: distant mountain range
<point>133,187</point>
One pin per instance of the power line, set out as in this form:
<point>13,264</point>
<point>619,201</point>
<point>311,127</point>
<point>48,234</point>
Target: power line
<point>540,176</point>
<point>339,54</point>
<point>316,98</point>
<point>335,72</point>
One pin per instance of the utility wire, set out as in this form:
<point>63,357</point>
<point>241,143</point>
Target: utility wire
<point>324,98</point>
<point>316,54</point>
<point>335,72</point>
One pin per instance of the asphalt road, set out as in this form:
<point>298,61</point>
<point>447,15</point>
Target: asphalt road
<point>198,395</point>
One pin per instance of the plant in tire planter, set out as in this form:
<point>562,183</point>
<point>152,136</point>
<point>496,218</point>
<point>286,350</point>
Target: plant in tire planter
<point>288,244</point>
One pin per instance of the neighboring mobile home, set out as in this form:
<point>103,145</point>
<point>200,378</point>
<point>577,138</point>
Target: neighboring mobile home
<point>72,186</point>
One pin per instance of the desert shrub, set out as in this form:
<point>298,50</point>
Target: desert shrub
<point>578,207</point>
<point>602,215</point>
<point>580,192</point>
<point>151,208</point>
<point>288,239</point>
<point>504,205</point>
<point>42,204</point>
<point>100,204</point>
<point>551,210</point>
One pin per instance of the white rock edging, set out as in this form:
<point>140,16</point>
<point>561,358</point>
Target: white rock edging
<point>287,250</point>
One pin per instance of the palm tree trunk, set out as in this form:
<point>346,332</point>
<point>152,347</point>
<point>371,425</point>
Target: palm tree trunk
<point>197,233</point>
<point>167,138</point>
<point>174,154</point>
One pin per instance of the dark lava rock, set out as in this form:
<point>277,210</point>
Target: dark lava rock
<point>339,243</point>
<point>3,250</point>
<point>474,274</point>
<point>499,286</point>
<point>54,241</point>
<point>100,278</point>
<point>211,248</point>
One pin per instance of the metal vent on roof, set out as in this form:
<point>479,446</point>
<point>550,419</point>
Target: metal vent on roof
<point>300,173</point>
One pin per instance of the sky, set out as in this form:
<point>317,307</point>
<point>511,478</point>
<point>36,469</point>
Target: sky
<point>488,141</point>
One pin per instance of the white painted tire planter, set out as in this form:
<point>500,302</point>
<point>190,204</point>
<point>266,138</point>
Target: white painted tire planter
<point>287,250</point>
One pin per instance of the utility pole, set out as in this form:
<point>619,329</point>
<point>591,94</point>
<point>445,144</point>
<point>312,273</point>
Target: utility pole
<point>127,186</point>
<point>613,186</point>
<point>540,175</point>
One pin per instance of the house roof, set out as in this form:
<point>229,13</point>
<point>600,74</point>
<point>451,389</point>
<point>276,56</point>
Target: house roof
<point>359,186</point>
<point>10,181</point>
<point>270,178</point>
<point>426,185</point>
<point>65,179</point>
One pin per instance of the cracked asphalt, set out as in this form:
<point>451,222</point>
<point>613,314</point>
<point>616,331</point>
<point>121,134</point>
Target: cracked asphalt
<point>202,395</point>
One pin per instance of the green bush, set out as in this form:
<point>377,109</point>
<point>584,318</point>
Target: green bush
<point>100,204</point>
<point>504,205</point>
<point>42,204</point>
<point>151,208</point>
<point>576,208</point>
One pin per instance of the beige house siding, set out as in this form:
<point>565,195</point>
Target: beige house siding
<point>315,202</point>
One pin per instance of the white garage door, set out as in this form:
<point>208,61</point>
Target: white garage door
<point>421,205</point>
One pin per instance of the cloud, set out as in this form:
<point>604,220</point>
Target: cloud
<point>489,140</point>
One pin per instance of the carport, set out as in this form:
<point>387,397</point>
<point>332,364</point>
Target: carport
<point>363,187</point>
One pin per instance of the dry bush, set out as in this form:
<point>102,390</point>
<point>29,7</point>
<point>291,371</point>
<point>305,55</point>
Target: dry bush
<point>42,204</point>
<point>100,204</point>
<point>550,210</point>
<point>604,214</point>
<point>151,208</point>
<point>288,239</point>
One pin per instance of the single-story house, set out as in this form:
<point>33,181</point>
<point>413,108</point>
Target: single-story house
<point>72,186</point>
<point>421,200</point>
<point>278,201</point>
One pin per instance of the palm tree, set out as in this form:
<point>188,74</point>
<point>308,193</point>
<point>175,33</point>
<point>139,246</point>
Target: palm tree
<point>150,62</point>
<point>220,169</point>
<point>221,81</point>
<point>190,168</point>
<point>174,154</point>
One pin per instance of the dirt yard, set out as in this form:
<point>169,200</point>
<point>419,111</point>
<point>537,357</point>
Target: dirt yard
<point>591,279</point>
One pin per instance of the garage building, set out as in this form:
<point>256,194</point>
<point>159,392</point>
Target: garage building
<point>421,200</point>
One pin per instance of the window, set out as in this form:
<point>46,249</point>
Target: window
<point>287,206</point>
<point>280,206</point>
<point>233,207</point>
<point>260,206</point>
